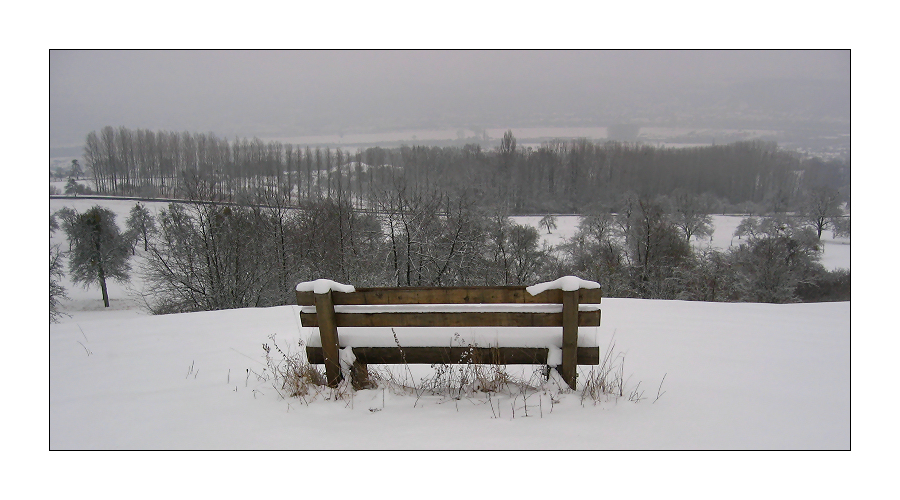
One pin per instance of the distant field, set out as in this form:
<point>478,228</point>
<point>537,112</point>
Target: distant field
<point>836,254</point>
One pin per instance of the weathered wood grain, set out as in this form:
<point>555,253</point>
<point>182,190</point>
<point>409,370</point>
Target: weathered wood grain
<point>462,295</point>
<point>452,319</point>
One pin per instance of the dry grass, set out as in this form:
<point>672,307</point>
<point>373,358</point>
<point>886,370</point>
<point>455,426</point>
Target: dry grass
<point>606,379</point>
<point>469,378</point>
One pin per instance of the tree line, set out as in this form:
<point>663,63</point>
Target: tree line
<point>559,176</point>
<point>259,217</point>
<point>199,255</point>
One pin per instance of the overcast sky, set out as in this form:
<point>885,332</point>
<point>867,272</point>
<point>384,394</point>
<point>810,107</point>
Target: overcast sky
<point>271,94</point>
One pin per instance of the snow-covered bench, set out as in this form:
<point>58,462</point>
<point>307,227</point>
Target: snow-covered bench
<point>568,302</point>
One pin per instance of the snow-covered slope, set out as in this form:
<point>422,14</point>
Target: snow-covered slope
<point>737,376</point>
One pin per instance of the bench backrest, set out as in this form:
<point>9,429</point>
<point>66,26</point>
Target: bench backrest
<point>432,314</point>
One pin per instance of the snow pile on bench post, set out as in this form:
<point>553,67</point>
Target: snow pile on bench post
<point>554,356</point>
<point>566,284</point>
<point>347,358</point>
<point>324,286</point>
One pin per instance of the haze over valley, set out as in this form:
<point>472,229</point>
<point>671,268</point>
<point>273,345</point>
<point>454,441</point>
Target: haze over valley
<point>801,99</point>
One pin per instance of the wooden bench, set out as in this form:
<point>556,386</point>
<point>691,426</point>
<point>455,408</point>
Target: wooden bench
<point>337,305</point>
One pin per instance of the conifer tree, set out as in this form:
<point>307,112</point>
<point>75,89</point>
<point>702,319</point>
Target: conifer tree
<point>99,250</point>
<point>140,224</point>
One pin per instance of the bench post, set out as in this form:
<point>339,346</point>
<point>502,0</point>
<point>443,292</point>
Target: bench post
<point>359,376</point>
<point>568,368</point>
<point>329,336</point>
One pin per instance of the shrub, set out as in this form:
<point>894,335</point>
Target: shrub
<point>830,286</point>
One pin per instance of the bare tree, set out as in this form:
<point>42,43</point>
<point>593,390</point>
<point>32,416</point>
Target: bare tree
<point>426,247</point>
<point>820,207</point>
<point>207,257</point>
<point>57,291</point>
<point>512,252</point>
<point>841,226</point>
<point>527,257</point>
<point>499,255</point>
<point>140,225</point>
<point>689,215</point>
<point>548,221</point>
<point>595,253</point>
<point>656,249</point>
<point>507,158</point>
<point>72,187</point>
<point>457,253</point>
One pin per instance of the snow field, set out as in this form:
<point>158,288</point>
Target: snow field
<point>737,376</point>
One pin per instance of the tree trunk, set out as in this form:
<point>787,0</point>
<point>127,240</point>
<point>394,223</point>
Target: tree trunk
<point>102,279</point>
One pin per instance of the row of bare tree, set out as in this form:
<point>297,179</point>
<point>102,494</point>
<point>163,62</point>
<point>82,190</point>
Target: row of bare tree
<point>559,176</point>
<point>208,256</point>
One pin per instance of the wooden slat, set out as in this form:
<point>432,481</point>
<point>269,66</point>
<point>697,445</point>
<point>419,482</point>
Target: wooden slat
<point>462,295</point>
<point>585,318</point>
<point>456,355</point>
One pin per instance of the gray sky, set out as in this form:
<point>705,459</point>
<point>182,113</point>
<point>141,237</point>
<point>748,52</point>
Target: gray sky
<point>279,94</point>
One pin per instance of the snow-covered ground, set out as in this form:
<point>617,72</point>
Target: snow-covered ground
<point>737,376</point>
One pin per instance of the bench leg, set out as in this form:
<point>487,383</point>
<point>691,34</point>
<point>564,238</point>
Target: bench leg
<point>329,336</point>
<point>568,368</point>
<point>359,376</point>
